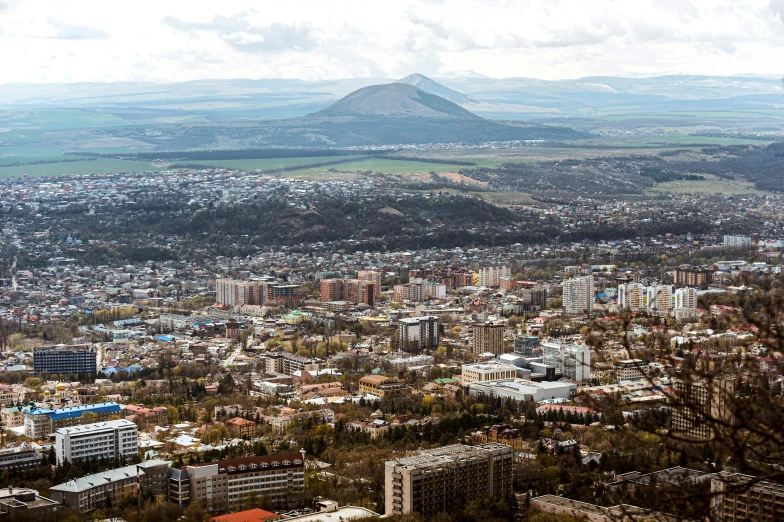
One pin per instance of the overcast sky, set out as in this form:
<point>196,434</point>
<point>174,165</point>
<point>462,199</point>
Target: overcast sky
<point>84,40</point>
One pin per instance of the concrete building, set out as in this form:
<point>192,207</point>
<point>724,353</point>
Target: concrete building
<point>536,296</point>
<point>525,344</point>
<point>685,303</point>
<point>523,390</point>
<point>738,498</point>
<point>356,291</point>
<point>701,407</point>
<point>383,386</point>
<point>416,334</point>
<point>26,504</point>
<point>573,361</point>
<point>289,363</point>
<point>93,492</point>
<point>225,484</point>
<point>432,481</point>
<point>231,292</point>
<point>39,423</point>
<point>488,338</point>
<point>20,458</point>
<point>118,439</point>
<point>482,372</point>
<point>692,276</point>
<point>419,290</point>
<point>490,276</point>
<point>578,295</point>
<point>659,298</point>
<point>78,359</point>
<point>630,370</point>
<point>631,297</point>
<point>737,241</point>
<point>372,276</point>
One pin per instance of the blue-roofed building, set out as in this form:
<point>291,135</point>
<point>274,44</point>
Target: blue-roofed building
<point>41,422</point>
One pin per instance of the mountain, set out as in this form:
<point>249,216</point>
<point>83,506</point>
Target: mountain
<point>395,100</point>
<point>424,83</point>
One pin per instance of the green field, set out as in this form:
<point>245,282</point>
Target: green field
<point>98,166</point>
<point>272,163</point>
<point>385,166</point>
<point>707,186</point>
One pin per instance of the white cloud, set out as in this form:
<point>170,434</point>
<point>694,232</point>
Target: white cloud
<point>180,40</point>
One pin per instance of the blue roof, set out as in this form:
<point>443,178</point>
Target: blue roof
<point>77,411</point>
<point>167,338</point>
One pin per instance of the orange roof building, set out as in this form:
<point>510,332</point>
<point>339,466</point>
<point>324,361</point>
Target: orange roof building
<point>249,515</point>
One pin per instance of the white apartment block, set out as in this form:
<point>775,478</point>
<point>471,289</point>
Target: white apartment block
<point>571,360</point>
<point>737,241</point>
<point>631,297</point>
<point>490,276</point>
<point>578,295</point>
<point>418,333</point>
<point>685,303</point>
<point>659,298</point>
<point>101,440</point>
<point>487,372</point>
<point>630,370</point>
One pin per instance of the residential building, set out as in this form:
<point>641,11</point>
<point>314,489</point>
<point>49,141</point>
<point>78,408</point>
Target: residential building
<point>242,428</point>
<point>178,489</point>
<point>490,276</point>
<point>93,492</point>
<point>384,387</point>
<point>356,291</point>
<point>75,359</point>
<point>701,407</point>
<point>565,507</point>
<point>685,303</point>
<point>737,241</point>
<point>372,276</point>
<point>738,498</point>
<point>231,292</point>
<point>481,372</point>
<point>536,296</point>
<point>20,458</point>
<point>630,370</point>
<point>289,363</point>
<point>432,481</point>
<point>287,295</point>
<point>39,423</point>
<point>419,290</point>
<point>118,439</point>
<point>488,338</point>
<point>631,297</point>
<point>225,484</point>
<point>525,344</point>
<point>573,361</point>
<point>659,298</point>
<point>686,275</point>
<point>416,334</point>
<point>142,416</point>
<point>578,295</point>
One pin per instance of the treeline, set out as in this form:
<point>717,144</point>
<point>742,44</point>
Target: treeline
<point>45,162</point>
<point>241,154</point>
<point>272,171</point>
<point>443,161</point>
<point>661,175</point>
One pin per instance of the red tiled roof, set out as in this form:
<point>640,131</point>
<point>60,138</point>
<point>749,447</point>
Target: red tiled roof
<point>249,515</point>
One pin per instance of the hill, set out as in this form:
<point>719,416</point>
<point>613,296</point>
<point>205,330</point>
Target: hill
<point>424,83</point>
<point>396,100</point>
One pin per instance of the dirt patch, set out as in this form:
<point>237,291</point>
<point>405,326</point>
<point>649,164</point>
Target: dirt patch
<point>456,177</point>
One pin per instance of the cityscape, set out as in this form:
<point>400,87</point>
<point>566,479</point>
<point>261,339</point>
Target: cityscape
<point>250,274</point>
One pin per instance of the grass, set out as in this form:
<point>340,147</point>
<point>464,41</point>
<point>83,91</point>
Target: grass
<point>707,186</point>
<point>271,163</point>
<point>385,166</point>
<point>98,166</point>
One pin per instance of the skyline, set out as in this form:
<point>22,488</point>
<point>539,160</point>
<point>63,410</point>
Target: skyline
<point>174,41</point>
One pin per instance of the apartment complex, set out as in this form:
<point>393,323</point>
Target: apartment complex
<point>692,276</point>
<point>372,276</point>
<point>226,483</point>
<point>659,298</point>
<point>631,296</point>
<point>451,278</point>
<point>354,291</point>
<point>384,387</point>
<point>77,359</point>
<point>685,303</point>
<point>738,498</point>
<point>118,439</point>
<point>737,241</point>
<point>578,295</point>
<point>94,491</point>
<point>418,333</point>
<point>573,361</point>
<point>488,338</point>
<point>536,296</point>
<point>698,404</point>
<point>231,292</point>
<point>289,363</point>
<point>490,276</point>
<point>20,458</point>
<point>419,290</point>
<point>432,481</point>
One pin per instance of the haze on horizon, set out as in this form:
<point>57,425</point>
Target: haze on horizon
<point>92,41</point>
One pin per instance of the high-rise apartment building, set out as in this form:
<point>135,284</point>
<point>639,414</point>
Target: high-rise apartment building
<point>490,276</point>
<point>117,439</point>
<point>419,290</point>
<point>573,361</point>
<point>578,295</point>
<point>432,481</point>
<point>488,338</point>
<point>631,297</point>
<point>659,298</point>
<point>699,408</point>
<point>536,296</point>
<point>355,291</point>
<point>232,292</point>
<point>227,483</point>
<point>740,498</point>
<point>692,276</point>
<point>737,241</point>
<point>77,359</point>
<point>685,303</point>
<point>418,333</point>
<point>372,276</point>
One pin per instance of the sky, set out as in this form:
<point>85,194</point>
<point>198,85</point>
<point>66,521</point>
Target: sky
<point>45,41</point>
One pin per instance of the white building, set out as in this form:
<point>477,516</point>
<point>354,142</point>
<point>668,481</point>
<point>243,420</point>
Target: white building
<point>659,298</point>
<point>101,440</point>
<point>631,296</point>
<point>571,360</point>
<point>630,370</point>
<point>578,295</point>
<point>523,390</point>
<point>685,303</point>
<point>488,372</point>
<point>490,276</point>
<point>737,241</point>
<point>418,333</point>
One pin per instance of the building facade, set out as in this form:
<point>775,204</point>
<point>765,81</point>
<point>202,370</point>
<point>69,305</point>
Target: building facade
<point>416,334</point>
<point>118,439</point>
<point>630,370</point>
<point>631,297</point>
<point>490,276</point>
<point>432,481</point>
<point>700,407</point>
<point>65,360</point>
<point>573,361</point>
<point>384,387</point>
<point>578,295</point>
<point>488,338</point>
<point>738,498</point>
<point>231,292</point>
<point>692,276</point>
